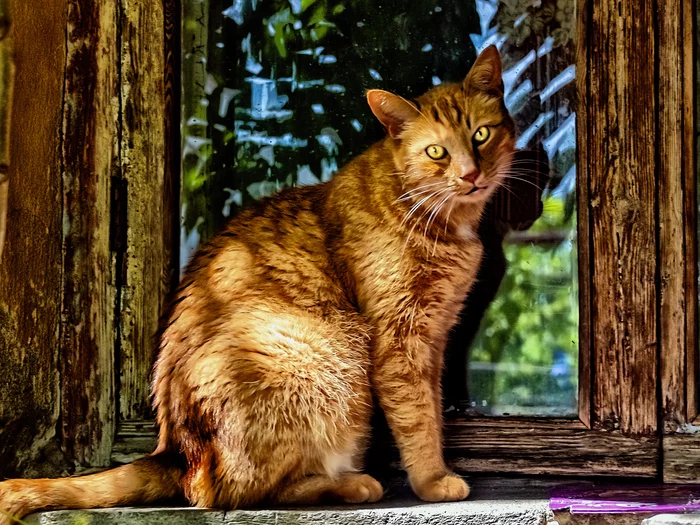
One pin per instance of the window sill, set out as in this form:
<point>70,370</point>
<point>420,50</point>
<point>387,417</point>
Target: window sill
<point>472,512</point>
<point>494,501</point>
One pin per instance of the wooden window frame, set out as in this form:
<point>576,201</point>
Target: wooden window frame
<point>638,293</point>
<point>637,202</point>
<point>113,135</point>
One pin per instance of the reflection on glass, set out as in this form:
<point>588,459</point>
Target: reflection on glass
<point>524,359</point>
<point>274,96</point>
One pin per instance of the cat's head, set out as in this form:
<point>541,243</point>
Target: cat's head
<point>457,139</point>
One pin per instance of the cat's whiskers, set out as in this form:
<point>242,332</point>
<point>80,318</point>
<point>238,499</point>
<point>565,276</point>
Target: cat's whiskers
<point>418,188</point>
<point>410,232</point>
<point>415,191</point>
<point>518,174</point>
<point>519,167</point>
<point>514,177</point>
<point>413,315</point>
<point>417,206</point>
<point>436,209</point>
<point>512,158</point>
<point>447,218</point>
<point>437,233</point>
<point>529,161</point>
<point>509,190</point>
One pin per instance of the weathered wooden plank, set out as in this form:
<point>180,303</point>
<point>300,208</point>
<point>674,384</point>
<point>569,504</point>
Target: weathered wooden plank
<point>554,451</point>
<point>622,170</point>
<point>682,456</point>
<point>583,222</point>
<point>90,135</point>
<point>4,203</point>
<point>147,268</point>
<point>691,73</point>
<point>135,439</point>
<point>672,242</point>
<point>30,272</point>
<point>172,66</point>
<point>681,440</point>
<point>7,79</point>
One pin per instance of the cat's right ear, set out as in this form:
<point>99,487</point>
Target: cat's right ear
<point>487,73</point>
<point>392,111</point>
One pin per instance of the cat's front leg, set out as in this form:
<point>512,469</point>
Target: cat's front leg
<point>406,379</point>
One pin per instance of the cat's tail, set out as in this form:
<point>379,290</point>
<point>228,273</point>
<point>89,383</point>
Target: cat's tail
<point>147,480</point>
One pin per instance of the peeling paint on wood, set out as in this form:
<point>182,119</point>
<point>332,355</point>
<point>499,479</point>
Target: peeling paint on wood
<point>583,213</point>
<point>672,239</point>
<point>681,458</point>
<point>30,272</point>
<point>621,131</point>
<point>677,244</point>
<point>148,270</point>
<point>7,78</point>
<point>89,140</point>
<point>556,451</point>
<point>691,74</point>
<point>98,136</point>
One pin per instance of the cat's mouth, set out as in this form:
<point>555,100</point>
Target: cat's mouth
<point>476,189</point>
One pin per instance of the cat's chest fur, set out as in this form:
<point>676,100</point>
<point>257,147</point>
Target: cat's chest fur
<point>431,281</point>
<point>449,276</point>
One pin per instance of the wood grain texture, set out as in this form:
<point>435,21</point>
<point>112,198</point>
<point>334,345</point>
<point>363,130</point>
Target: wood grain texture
<point>172,71</point>
<point>672,241</point>
<point>90,131</point>
<point>678,243</point>
<point>487,448</point>
<point>621,157</point>
<point>691,66</point>
<point>583,222</point>
<point>551,451</point>
<point>30,271</point>
<point>7,79</point>
<point>681,458</point>
<point>147,265</point>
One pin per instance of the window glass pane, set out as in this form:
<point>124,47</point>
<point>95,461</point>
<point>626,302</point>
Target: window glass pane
<point>524,359</point>
<point>273,95</point>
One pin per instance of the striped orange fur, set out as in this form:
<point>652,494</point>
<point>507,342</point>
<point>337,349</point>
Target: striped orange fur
<point>308,306</point>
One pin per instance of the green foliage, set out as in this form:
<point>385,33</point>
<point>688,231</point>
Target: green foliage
<point>534,314</point>
<point>322,55</point>
<point>553,17</point>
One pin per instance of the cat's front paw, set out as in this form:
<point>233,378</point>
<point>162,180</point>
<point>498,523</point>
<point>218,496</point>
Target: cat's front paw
<point>449,487</point>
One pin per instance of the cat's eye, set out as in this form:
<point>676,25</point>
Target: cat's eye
<point>436,152</point>
<point>482,135</point>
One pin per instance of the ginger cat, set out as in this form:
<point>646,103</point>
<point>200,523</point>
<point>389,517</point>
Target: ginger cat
<point>307,305</point>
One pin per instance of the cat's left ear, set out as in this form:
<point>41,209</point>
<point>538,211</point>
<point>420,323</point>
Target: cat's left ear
<point>487,73</point>
<point>393,111</point>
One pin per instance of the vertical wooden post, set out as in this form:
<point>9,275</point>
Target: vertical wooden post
<point>672,235</point>
<point>621,157</point>
<point>89,140</point>
<point>7,76</point>
<point>146,156</point>
<point>678,242</point>
<point>30,273</point>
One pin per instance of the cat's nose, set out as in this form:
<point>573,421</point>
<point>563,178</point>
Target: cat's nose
<point>470,176</point>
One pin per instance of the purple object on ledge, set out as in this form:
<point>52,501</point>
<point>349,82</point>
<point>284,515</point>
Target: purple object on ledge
<point>587,498</point>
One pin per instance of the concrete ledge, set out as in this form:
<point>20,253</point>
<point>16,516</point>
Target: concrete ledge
<point>485,512</point>
<point>673,519</point>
